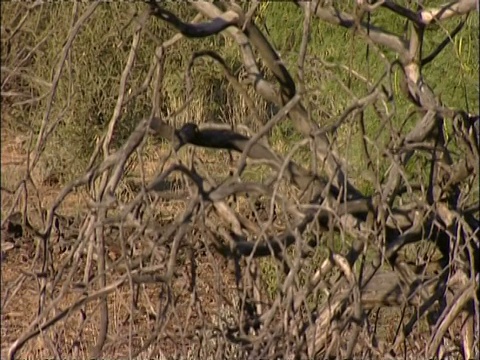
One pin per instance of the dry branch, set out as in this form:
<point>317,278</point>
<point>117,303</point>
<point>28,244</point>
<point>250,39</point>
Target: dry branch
<point>253,250</point>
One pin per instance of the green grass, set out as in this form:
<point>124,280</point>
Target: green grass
<point>88,87</point>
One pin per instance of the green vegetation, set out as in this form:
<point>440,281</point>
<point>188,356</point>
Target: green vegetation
<point>88,87</point>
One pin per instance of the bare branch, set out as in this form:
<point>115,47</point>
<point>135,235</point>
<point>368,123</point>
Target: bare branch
<point>279,246</point>
<point>377,35</point>
<point>454,8</point>
<point>200,30</point>
<point>444,43</point>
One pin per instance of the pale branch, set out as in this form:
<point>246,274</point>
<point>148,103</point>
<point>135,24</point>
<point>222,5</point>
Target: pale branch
<point>460,302</point>
<point>274,245</point>
<point>378,35</point>
<point>263,87</point>
<point>334,165</point>
<point>416,87</point>
<point>427,16</point>
<point>269,56</point>
<point>200,30</point>
<point>447,11</point>
<point>304,46</point>
<point>379,288</point>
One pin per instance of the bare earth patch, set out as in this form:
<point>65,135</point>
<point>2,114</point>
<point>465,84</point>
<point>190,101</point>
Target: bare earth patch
<point>132,310</point>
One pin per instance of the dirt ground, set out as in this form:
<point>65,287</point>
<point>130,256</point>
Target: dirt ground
<point>200,296</point>
<point>131,322</point>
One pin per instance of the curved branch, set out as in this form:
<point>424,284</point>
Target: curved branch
<point>263,87</point>
<point>402,11</point>
<point>200,30</point>
<point>431,15</point>
<point>378,35</point>
<point>444,43</point>
<point>299,115</point>
<point>230,140</point>
<point>455,8</point>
